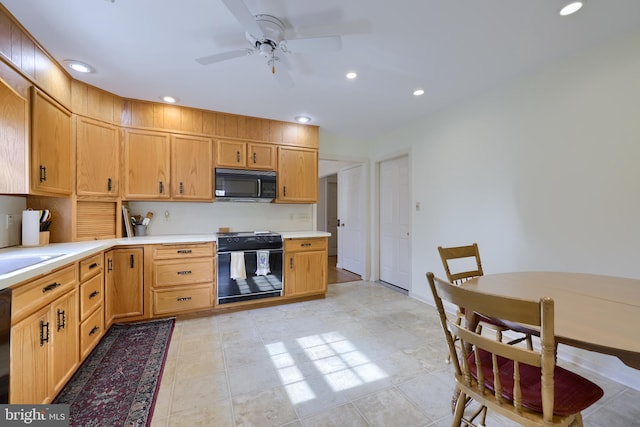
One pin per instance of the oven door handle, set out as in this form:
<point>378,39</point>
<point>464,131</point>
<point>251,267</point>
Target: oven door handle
<point>252,251</point>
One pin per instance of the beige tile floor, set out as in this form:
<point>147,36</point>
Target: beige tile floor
<point>364,356</point>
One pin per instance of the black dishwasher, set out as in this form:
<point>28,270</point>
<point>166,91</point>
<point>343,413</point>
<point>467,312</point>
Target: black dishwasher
<point>5,343</point>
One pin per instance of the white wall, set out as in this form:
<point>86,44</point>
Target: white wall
<point>186,218</point>
<point>543,175</point>
<point>11,205</point>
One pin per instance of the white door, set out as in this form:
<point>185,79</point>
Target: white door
<point>351,246</point>
<point>395,223</point>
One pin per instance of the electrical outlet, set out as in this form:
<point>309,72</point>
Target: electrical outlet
<point>166,215</point>
<point>9,222</point>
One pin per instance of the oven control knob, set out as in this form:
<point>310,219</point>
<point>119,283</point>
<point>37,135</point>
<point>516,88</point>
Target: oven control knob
<point>236,240</point>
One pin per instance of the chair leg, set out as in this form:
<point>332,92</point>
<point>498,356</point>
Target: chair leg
<point>459,412</point>
<point>577,421</point>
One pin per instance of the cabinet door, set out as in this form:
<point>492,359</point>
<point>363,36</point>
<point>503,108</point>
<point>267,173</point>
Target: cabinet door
<point>97,158</point>
<point>14,164</point>
<point>261,156</point>
<point>305,273</point>
<point>124,286</point>
<point>65,345</point>
<point>147,163</point>
<point>50,146</point>
<point>191,168</point>
<point>297,175</point>
<point>30,344</point>
<point>231,154</point>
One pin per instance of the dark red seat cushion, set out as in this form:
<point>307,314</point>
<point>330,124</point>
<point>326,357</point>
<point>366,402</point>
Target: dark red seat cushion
<point>572,393</point>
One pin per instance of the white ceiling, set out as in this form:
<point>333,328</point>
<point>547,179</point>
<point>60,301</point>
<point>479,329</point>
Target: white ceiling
<point>454,49</point>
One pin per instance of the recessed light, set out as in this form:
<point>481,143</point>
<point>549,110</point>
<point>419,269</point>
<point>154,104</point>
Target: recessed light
<point>78,66</point>
<point>170,99</point>
<point>571,7</point>
<point>302,119</point>
<point>418,92</point>
<point>352,75</point>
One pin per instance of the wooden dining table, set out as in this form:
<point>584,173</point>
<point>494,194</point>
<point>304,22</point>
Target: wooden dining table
<point>592,312</point>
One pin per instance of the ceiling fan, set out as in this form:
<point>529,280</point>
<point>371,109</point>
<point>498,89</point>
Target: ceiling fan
<point>265,35</point>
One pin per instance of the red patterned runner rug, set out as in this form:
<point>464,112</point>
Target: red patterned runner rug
<point>118,383</point>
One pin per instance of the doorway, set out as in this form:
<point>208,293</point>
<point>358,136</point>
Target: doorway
<point>395,222</point>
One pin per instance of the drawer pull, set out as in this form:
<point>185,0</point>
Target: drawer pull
<point>94,265</point>
<point>51,287</point>
<point>94,330</point>
<point>305,244</point>
<point>181,299</point>
<point>182,273</point>
<point>44,338</point>
<point>61,320</point>
<point>184,251</point>
<point>93,294</point>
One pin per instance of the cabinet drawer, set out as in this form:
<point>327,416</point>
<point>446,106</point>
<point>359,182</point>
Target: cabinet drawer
<point>27,298</point>
<point>297,245</point>
<point>183,251</point>
<point>90,266</point>
<point>91,296</point>
<point>91,331</point>
<point>186,298</point>
<point>181,272</point>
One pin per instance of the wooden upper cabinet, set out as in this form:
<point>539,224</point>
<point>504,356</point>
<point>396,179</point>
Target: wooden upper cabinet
<point>245,155</point>
<point>97,158</point>
<point>297,175</point>
<point>14,166</point>
<point>231,154</point>
<point>51,159</point>
<point>147,164</point>
<point>191,168</point>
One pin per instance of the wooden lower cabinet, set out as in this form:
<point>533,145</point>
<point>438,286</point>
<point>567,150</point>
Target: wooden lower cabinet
<point>305,268</point>
<point>124,299</point>
<point>183,278</point>
<point>44,351</point>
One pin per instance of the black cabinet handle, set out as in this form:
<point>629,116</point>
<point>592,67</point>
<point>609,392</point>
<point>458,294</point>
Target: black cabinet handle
<point>291,262</point>
<point>181,188</point>
<point>61,320</point>
<point>131,259</point>
<point>182,273</point>
<point>284,191</point>
<point>51,287</point>
<point>43,173</point>
<point>305,244</point>
<point>109,265</point>
<point>93,294</point>
<point>184,251</point>
<point>109,184</point>
<point>94,265</point>
<point>183,299</point>
<point>238,156</point>
<point>44,337</point>
<point>94,330</point>
<point>255,158</point>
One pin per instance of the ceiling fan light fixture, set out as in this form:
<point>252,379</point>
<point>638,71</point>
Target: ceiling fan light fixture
<point>418,92</point>
<point>571,8</point>
<point>169,99</point>
<point>78,66</point>
<point>303,119</point>
<point>352,75</point>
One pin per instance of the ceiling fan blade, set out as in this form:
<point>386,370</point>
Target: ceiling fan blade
<point>217,57</point>
<point>245,17</point>
<point>283,78</point>
<point>313,44</point>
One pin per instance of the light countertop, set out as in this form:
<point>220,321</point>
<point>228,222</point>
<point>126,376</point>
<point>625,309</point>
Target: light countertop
<point>66,253</point>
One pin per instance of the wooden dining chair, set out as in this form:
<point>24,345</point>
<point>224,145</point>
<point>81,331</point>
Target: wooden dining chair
<point>522,384</point>
<point>462,263</point>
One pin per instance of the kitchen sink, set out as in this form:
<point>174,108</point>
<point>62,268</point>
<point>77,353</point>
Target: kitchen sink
<point>16,262</point>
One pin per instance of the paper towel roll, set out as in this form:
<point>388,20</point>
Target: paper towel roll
<point>30,228</point>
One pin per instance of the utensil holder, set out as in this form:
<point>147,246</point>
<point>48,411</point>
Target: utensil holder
<point>43,238</point>
<point>139,230</point>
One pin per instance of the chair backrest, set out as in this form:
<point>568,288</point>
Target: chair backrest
<point>483,357</point>
<point>461,253</point>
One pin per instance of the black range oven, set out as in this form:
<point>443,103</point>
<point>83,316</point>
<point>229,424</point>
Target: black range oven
<point>249,266</point>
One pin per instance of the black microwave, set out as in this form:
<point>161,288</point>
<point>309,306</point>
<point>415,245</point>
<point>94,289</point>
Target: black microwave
<point>237,185</point>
